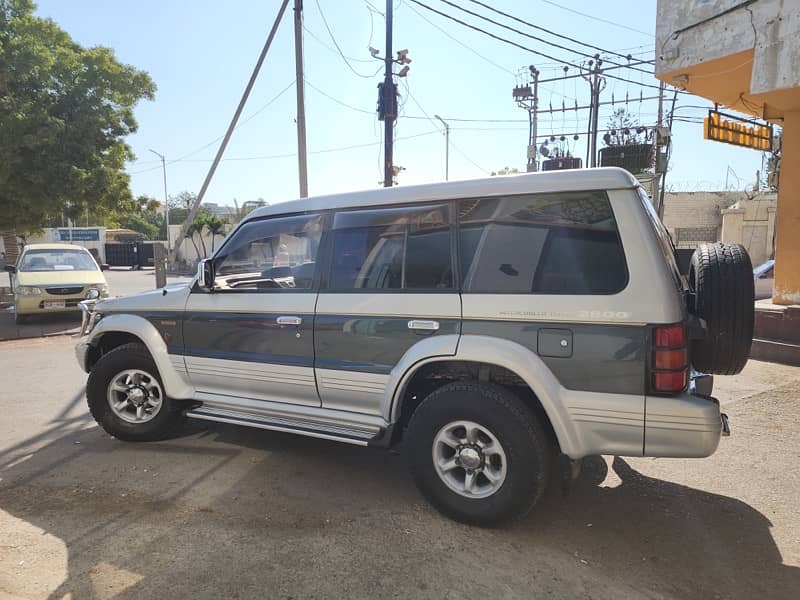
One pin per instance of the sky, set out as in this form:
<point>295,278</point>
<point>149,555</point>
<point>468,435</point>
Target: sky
<point>200,55</point>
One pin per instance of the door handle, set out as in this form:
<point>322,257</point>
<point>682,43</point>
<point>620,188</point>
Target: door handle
<point>289,321</point>
<point>419,325</point>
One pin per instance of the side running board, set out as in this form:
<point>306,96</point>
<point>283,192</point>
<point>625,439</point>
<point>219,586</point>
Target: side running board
<point>310,429</point>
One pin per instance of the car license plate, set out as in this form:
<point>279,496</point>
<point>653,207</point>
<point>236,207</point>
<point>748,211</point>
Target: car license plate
<point>55,304</point>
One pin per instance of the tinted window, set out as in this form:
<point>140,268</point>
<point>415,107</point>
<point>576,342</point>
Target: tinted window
<point>544,243</point>
<point>395,248</point>
<point>272,254</point>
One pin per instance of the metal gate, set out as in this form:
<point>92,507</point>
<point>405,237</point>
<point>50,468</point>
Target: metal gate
<point>130,254</point>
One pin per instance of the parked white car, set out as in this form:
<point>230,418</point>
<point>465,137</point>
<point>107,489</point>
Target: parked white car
<point>764,279</point>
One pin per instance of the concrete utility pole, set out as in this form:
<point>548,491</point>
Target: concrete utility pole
<point>212,169</point>
<point>446,148</point>
<point>166,198</point>
<point>657,175</point>
<point>597,84</point>
<point>527,97</point>
<point>302,165</point>
<point>388,104</point>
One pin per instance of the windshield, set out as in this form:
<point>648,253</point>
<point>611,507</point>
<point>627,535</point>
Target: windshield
<point>56,260</point>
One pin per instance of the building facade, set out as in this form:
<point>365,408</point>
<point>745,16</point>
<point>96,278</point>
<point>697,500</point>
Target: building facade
<point>745,55</point>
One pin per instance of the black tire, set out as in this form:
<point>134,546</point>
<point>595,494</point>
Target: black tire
<point>515,426</point>
<point>129,356</point>
<point>721,278</point>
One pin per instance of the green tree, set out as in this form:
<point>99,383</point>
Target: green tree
<point>623,129</point>
<point>64,113</point>
<point>196,228</point>
<point>215,227</point>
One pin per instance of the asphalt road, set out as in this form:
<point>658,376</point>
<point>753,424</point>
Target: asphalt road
<point>227,512</point>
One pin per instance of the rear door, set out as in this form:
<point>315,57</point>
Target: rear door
<point>252,336</point>
<point>390,284</point>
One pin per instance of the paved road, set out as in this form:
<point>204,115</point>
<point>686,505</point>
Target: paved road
<point>121,282</point>
<point>226,512</point>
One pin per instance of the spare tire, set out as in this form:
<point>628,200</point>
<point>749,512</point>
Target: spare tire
<point>721,281</point>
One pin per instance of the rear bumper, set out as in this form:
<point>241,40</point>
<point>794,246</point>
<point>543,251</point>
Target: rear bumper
<point>685,426</point>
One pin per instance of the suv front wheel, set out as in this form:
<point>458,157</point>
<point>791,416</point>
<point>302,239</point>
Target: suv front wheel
<point>126,396</point>
<point>478,453</point>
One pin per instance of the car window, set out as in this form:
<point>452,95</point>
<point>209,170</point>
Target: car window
<point>565,243</point>
<point>393,248</point>
<point>56,260</point>
<point>270,255</point>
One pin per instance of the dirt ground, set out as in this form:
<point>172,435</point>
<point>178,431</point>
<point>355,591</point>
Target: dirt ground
<point>227,512</point>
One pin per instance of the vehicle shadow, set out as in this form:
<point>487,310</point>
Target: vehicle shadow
<point>224,511</point>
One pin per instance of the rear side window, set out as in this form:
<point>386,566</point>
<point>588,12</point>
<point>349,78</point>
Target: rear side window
<point>565,243</point>
<point>392,249</point>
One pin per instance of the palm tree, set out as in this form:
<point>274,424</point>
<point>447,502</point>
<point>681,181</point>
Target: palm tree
<point>215,227</point>
<point>190,231</point>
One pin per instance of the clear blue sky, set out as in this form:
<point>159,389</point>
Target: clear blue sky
<point>200,55</point>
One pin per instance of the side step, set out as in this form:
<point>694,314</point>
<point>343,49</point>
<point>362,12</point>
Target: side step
<point>306,428</point>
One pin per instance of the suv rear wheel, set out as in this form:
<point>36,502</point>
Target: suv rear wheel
<point>126,396</point>
<point>478,453</point>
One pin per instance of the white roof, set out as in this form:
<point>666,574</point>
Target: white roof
<point>608,178</point>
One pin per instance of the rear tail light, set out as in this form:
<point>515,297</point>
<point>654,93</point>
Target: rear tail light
<point>670,360</point>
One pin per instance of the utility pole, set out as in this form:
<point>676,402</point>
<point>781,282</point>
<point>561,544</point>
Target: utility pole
<point>302,164</point>
<point>166,198</point>
<point>446,148</point>
<point>533,123</point>
<point>388,103</point>
<point>527,97</point>
<point>597,84</point>
<point>657,177</point>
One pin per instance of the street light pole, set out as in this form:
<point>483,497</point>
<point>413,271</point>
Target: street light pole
<point>446,148</point>
<point>166,198</point>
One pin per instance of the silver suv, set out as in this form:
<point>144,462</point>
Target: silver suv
<point>497,330</point>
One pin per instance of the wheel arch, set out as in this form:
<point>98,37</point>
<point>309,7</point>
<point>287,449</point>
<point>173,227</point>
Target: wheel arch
<point>115,330</point>
<point>508,358</point>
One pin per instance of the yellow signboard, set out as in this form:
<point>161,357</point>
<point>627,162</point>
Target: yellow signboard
<point>737,131</point>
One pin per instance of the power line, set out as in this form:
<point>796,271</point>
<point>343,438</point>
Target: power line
<point>341,102</point>
<point>532,51</point>
<point>435,124</point>
<point>335,43</point>
<point>293,154</point>
<point>588,16</point>
<point>528,35</point>
<point>215,140</point>
<point>538,27</point>
<point>460,43</point>
<point>333,50</point>
<point>492,35</point>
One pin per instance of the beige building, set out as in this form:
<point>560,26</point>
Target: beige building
<point>736,217</point>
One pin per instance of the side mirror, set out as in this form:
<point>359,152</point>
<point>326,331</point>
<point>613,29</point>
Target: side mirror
<point>10,269</point>
<point>104,267</point>
<point>205,274</point>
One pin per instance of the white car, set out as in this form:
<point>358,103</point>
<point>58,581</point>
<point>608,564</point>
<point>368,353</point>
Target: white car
<point>764,279</point>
